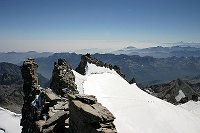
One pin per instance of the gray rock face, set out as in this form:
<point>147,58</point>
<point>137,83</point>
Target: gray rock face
<point>50,96</point>
<point>89,99</point>
<point>88,58</point>
<point>175,92</point>
<point>63,78</point>
<point>132,81</point>
<point>89,117</point>
<point>30,112</point>
<point>44,111</point>
<point>58,117</point>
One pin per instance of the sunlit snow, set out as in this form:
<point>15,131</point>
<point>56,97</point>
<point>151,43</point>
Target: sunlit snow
<point>192,106</point>
<point>180,96</point>
<point>135,110</point>
<point>9,121</point>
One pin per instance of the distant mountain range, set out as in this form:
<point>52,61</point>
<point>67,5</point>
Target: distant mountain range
<point>183,44</point>
<point>148,66</point>
<point>17,57</point>
<point>146,70</point>
<point>162,52</point>
<point>11,82</point>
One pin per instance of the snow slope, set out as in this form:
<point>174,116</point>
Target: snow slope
<point>135,110</point>
<point>9,121</point>
<point>192,106</point>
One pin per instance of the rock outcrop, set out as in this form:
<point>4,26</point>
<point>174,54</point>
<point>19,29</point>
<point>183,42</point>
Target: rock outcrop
<point>52,111</point>
<point>89,116</point>
<point>63,78</point>
<point>132,81</point>
<point>89,59</point>
<point>32,106</point>
<point>43,111</point>
<point>175,92</point>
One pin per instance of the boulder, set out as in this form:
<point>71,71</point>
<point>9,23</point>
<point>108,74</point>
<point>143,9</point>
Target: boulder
<point>89,116</point>
<point>50,96</point>
<point>85,112</point>
<point>58,117</point>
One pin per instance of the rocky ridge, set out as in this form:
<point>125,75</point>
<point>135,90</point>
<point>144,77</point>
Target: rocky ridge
<point>89,116</point>
<point>175,92</point>
<point>11,86</point>
<point>30,113</point>
<point>60,109</point>
<point>89,59</point>
<point>63,78</point>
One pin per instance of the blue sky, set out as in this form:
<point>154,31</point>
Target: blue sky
<point>77,24</point>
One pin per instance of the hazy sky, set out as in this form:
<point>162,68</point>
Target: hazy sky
<point>63,25</point>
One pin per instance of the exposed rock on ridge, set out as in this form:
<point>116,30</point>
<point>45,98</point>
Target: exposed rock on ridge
<point>30,113</point>
<point>63,78</point>
<point>46,112</point>
<point>89,59</point>
<point>39,112</point>
<point>175,92</point>
<point>89,116</point>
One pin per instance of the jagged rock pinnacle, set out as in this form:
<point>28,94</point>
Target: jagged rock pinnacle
<point>46,112</point>
<point>30,88</point>
<point>63,78</point>
<point>89,59</point>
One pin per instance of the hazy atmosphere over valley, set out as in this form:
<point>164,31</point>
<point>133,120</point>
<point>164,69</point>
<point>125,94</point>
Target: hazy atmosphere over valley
<point>68,25</point>
<point>99,66</point>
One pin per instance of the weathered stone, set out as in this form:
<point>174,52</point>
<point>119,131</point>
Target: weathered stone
<point>52,111</point>
<point>61,106</point>
<point>71,96</point>
<point>63,79</point>
<point>47,112</point>
<point>89,59</point>
<point>39,125</point>
<point>49,129</point>
<point>58,117</point>
<point>104,112</point>
<point>89,117</point>
<point>86,113</point>
<point>33,101</point>
<point>89,99</point>
<point>50,96</point>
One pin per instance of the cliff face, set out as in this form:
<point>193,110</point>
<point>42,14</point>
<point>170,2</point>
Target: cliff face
<point>10,74</point>
<point>89,116</point>
<point>89,59</point>
<point>31,90</point>
<point>60,109</point>
<point>175,92</point>
<point>63,78</point>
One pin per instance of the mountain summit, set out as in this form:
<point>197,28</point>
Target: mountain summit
<point>134,109</point>
<point>105,102</point>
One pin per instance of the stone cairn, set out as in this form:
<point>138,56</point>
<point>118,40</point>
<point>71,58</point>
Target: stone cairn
<point>61,109</point>
<point>89,59</point>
